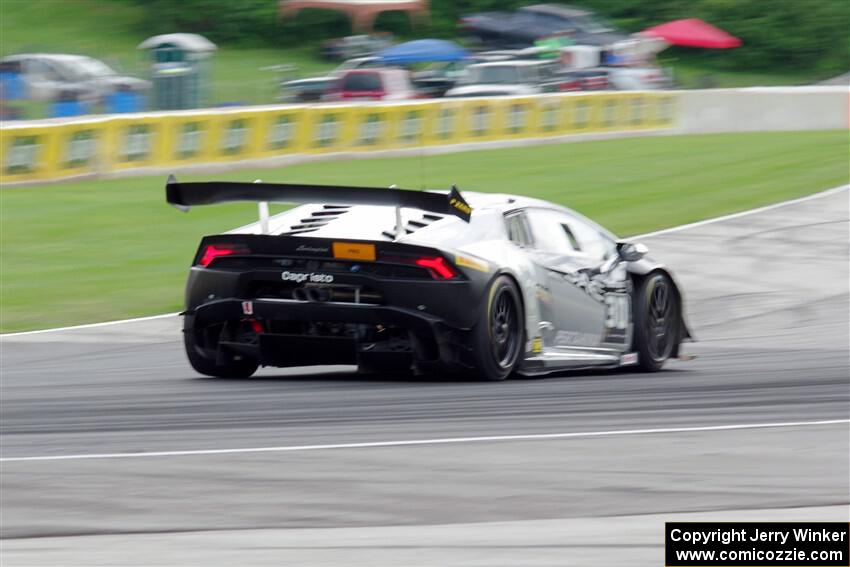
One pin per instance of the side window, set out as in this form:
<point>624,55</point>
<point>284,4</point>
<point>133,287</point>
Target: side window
<point>58,73</point>
<point>565,234</point>
<point>518,231</point>
<point>595,244</point>
<point>553,233</point>
<point>38,69</point>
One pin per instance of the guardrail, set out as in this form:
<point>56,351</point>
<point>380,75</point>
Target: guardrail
<point>52,149</point>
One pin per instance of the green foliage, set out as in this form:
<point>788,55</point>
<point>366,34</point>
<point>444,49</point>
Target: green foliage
<point>244,21</point>
<point>783,35</point>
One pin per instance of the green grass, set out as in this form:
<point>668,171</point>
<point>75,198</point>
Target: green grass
<point>111,30</point>
<point>99,250</point>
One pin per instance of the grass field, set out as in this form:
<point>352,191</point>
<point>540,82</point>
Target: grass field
<point>99,250</point>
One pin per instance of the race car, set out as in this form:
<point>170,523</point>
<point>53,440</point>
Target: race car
<point>395,280</point>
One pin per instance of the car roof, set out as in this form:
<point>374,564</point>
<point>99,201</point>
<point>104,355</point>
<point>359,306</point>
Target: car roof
<point>514,62</point>
<point>374,70</point>
<point>557,10</point>
<point>310,80</point>
<point>503,201</point>
<point>379,221</point>
<point>66,57</point>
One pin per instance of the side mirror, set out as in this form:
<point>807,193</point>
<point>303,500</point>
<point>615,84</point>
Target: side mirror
<point>631,251</point>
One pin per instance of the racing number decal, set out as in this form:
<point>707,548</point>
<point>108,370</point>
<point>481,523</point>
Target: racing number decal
<point>616,311</point>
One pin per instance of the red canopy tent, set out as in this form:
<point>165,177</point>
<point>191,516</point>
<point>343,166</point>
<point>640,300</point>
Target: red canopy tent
<point>694,32</point>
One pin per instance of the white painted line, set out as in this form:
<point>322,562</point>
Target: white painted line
<point>413,442</point>
<point>89,325</point>
<point>647,235</point>
<point>743,213</point>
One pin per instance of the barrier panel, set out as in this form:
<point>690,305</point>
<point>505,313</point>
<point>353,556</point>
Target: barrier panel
<point>47,150</point>
<point>29,153</point>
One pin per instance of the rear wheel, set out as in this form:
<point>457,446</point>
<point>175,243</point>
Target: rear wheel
<point>233,368</point>
<point>657,321</point>
<point>499,335</point>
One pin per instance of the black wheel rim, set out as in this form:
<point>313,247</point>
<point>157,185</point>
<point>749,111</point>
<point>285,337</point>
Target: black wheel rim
<point>504,328</point>
<point>661,320</point>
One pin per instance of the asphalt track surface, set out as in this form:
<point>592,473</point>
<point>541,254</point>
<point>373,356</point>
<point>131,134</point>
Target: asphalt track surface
<point>767,297</point>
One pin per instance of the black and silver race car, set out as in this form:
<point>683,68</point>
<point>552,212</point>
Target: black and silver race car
<point>399,280</point>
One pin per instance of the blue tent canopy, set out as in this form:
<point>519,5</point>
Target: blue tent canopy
<point>421,50</point>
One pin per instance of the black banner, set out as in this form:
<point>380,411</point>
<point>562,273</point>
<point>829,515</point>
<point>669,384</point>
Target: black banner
<point>757,544</point>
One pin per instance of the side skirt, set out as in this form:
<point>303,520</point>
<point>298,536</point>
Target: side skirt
<point>548,361</point>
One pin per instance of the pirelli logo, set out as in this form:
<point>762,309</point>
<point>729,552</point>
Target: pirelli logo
<point>460,206</point>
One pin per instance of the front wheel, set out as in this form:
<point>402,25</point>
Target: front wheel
<point>657,321</point>
<point>499,335</point>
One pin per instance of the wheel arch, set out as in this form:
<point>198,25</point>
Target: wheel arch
<point>512,276</point>
<point>525,321</point>
<point>640,273</point>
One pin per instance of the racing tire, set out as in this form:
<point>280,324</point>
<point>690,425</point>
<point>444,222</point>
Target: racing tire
<point>242,368</point>
<point>499,336</point>
<point>657,321</point>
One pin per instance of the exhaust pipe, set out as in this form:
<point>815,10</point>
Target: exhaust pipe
<point>314,294</point>
<point>317,294</point>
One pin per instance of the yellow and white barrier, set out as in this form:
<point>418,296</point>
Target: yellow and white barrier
<point>50,149</point>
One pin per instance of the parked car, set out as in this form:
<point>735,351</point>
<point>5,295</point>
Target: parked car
<point>357,63</point>
<point>531,23</point>
<point>354,46</point>
<point>49,75</point>
<point>639,78</point>
<point>374,84</point>
<point>507,78</point>
<point>313,89</point>
<point>626,65</point>
<point>437,78</point>
<point>582,80</point>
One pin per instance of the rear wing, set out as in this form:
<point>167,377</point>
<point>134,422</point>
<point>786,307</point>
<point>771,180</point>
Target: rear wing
<point>186,195</point>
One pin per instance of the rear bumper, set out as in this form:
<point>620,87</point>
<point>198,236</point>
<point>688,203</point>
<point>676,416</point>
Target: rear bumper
<point>454,302</point>
<point>439,344</point>
<point>292,310</point>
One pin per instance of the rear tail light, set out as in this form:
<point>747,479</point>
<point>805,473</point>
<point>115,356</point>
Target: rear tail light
<point>256,326</point>
<point>213,251</point>
<point>595,83</point>
<point>437,267</point>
